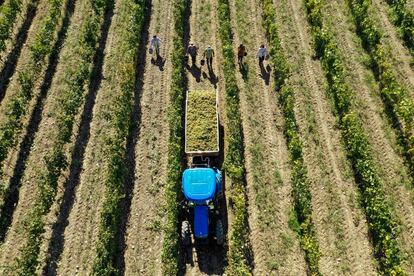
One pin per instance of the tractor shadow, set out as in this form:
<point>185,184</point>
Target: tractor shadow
<point>210,258</point>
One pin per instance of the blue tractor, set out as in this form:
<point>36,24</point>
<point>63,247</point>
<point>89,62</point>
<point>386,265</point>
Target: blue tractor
<point>203,192</point>
<point>201,183</point>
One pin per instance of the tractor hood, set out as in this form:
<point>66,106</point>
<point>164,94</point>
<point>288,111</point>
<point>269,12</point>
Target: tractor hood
<point>201,222</point>
<point>199,184</point>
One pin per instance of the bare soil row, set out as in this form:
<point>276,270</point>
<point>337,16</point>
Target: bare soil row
<point>340,227</point>
<point>14,45</point>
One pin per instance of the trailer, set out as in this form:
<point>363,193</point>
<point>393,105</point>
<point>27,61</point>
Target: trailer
<point>202,182</point>
<point>201,123</point>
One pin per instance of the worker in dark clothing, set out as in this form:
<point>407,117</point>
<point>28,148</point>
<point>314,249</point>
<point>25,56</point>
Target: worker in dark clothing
<point>192,51</point>
<point>241,53</point>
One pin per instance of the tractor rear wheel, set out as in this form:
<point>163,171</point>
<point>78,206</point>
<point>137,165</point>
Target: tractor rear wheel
<point>185,233</point>
<point>219,232</point>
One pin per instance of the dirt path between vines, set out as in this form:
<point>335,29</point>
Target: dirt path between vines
<point>341,228</point>
<point>144,230</point>
<point>399,55</point>
<point>382,137</point>
<point>54,241</point>
<point>275,246</point>
<point>84,219</point>
<point>210,259</point>
<point>410,5</point>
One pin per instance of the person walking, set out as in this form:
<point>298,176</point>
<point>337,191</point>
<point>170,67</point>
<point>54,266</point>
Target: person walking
<point>209,54</point>
<point>155,45</point>
<point>261,54</point>
<point>192,51</point>
<point>241,53</point>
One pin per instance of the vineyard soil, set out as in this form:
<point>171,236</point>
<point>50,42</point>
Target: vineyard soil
<point>203,32</point>
<point>274,244</point>
<point>146,220</point>
<point>392,169</point>
<point>73,106</point>
<point>341,228</point>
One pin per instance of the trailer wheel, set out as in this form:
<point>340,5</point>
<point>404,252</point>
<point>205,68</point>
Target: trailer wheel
<point>219,232</point>
<point>185,233</point>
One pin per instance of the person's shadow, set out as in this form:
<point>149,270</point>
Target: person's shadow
<point>211,77</point>
<point>160,62</point>
<point>195,71</point>
<point>265,73</point>
<point>244,70</point>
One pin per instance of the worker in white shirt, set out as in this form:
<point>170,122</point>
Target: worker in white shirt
<point>261,54</point>
<point>155,44</point>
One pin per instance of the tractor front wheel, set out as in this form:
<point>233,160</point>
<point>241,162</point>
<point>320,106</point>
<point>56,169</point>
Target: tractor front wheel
<point>185,233</point>
<point>219,232</point>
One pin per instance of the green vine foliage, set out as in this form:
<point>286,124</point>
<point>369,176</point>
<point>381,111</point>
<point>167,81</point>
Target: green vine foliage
<point>40,49</point>
<point>239,244</point>
<point>131,15</point>
<point>380,221</point>
<point>301,187</point>
<point>403,18</point>
<point>70,100</point>
<point>8,16</point>
<point>394,95</point>
<point>171,249</point>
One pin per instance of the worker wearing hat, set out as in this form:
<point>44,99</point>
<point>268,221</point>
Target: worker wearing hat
<point>192,51</point>
<point>209,54</point>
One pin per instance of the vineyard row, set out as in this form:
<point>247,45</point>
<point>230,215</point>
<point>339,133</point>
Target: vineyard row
<point>380,220</point>
<point>71,97</point>
<point>132,19</point>
<point>40,50</point>
<point>171,244</point>
<point>301,186</point>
